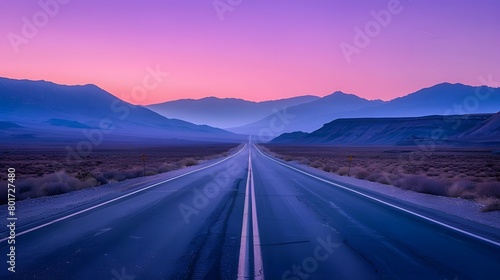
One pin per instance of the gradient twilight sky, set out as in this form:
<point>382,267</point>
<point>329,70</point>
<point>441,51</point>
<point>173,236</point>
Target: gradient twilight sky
<point>260,50</point>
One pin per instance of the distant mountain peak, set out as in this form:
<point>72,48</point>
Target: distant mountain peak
<point>225,112</point>
<point>219,98</point>
<point>338,92</point>
<point>61,110</point>
<point>343,96</point>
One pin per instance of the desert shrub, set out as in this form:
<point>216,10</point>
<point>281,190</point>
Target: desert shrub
<point>491,204</point>
<point>330,168</point>
<point>317,164</point>
<point>53,188</point>
<point>304,160</point>
<point>151,171</point>
<point>83,175</point>
<point>460,188</point>
<point>188,162</point>
<point>134,173</point>
<point>114,175</point>
<point>100,179</point>
<point>165,167</point>
<point>386,180</point>
<point>469,195</point>
<point>488,189</point>
<point>51,184</point>
<point>373,177</point>
<point>360,173</point>
<point>121,175</point>
<point>27,185</point>
<point>342,171</point>
<point>382,178</point>
<point>288,158</point>
<point>423,185</point>
<point>91,182</point>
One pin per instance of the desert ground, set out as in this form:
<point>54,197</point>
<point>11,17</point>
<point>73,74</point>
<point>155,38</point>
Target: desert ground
<point>469,173</point>
<point>51,172</point>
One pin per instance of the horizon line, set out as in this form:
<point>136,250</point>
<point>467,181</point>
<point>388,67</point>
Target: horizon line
<point>239,98</point>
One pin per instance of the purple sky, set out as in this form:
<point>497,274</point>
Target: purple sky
<point>259,50</point>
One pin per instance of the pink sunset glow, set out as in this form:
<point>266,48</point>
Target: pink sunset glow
<point>257,50</point>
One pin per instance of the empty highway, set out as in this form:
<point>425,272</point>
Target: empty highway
<point>251,216</point>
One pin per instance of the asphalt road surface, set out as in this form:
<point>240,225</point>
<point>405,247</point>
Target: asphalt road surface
<point>253,217</point>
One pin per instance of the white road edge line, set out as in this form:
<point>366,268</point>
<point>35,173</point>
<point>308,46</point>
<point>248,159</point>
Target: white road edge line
<point>244,261</point>
<point>123,196</point>
<point>387,203</point>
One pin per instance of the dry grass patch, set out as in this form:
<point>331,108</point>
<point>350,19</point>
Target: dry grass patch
<point>457,172</point>
<point>46,172</point>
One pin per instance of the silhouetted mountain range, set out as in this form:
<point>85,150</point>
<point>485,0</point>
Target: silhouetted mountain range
<point>454,130</point>
<point>224,112</point>
<point>441,99</point>
<point>32,111</point>
<point>310,116</point>
<point>44,111</point>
